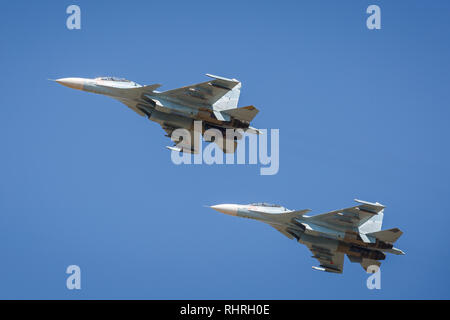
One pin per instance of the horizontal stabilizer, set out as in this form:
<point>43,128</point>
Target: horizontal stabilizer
<point>244,113</point>
<point>390,235</point>
<point>373,264</point>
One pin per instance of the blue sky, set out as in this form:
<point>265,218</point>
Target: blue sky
<point>83,180</point>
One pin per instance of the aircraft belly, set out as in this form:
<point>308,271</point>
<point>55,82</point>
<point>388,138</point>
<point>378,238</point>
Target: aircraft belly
<point>196,114</point>
<point>319,242</point>
<point>317,230</point>
<point>170,107</point>
<point>172,120</point>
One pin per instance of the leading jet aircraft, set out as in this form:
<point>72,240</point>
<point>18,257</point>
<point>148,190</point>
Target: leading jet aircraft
<point>213,102</point>
<point>355,231</point>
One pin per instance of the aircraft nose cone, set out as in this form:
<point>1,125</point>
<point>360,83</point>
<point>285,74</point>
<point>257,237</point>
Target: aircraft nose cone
<point>74,83</point>
<point>230,209</point>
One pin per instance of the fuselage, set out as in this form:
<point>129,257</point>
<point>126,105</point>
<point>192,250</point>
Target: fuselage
<point>308,230</point>
<point>101,85</point>
<point>166,110</point>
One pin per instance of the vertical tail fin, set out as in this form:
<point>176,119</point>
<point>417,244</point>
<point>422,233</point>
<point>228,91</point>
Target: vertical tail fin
<point>230,99</point>
<point>375,222</point>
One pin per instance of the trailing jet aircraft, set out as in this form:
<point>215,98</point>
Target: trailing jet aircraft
<point>213,102</point>
<point>355,231</point>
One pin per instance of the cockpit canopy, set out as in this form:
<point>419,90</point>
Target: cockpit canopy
<point>269,205</point>
<point>112,79</point>
<point>123,80</point>
<point>265,204</point>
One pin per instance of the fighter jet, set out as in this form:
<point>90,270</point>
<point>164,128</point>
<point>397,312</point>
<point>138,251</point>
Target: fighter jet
<point>355,232</point>
<point>213,102</point>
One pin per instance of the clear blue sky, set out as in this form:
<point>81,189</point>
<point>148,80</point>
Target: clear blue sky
<point>83,180</point>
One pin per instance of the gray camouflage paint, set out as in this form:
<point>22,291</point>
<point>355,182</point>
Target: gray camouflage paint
<point>354,231</point>
<point>213,102</point>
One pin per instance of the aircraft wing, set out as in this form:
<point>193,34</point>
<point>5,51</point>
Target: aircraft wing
<point>330,260</point>
<point>352,216</point>
<point>132,105</point>
<point>221,93</point>
<point>282,230</point>
<point>181,146</point>
<point>287,218</point>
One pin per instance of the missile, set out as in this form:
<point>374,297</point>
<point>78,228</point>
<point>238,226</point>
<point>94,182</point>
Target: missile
<point>318,268</point>
<point>174,149</point>
<point>178,149</point>
<point>253,130</point>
